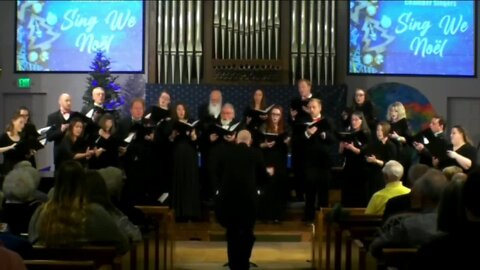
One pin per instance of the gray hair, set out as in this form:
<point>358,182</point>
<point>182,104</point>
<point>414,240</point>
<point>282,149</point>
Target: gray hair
<point>27,166</point>
<point>113,178</point>
<point>19,185</point>
<point>393,171</point>
<point>229,106</point>
<point>431,185</point>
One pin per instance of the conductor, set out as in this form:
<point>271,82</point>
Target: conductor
<point>238,173</point>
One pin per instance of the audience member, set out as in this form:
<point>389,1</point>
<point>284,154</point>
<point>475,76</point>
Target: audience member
<point>20,203</point>
<point>97,193</point>
<point>402,203</point>
<point>10,260</point>
<point>415,229</point>
<point>454,250</point>
<point>392,173</point>
<point>69,220</point>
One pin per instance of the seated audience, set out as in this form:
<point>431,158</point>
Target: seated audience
<point>68,219</point>
<point>114,181</point>
<point>450,171</point>
<point>20,203</point>
<point>451,216</point>
<point>455,250</point>
<point>28,167</point>
<point>392,174</point>
<point>14,242</point>
<point>402,203</point>
<point>417,228</point>
<point>97,193</point>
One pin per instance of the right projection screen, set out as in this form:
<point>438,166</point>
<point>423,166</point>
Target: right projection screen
<point>424,38</point>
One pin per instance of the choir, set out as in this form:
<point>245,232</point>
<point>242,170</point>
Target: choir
<point>168,157</point>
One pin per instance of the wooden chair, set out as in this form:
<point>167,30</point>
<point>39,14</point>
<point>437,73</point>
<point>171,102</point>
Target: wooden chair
<point>59,265</point>
<point>99,255</point>
<point>164,233</point>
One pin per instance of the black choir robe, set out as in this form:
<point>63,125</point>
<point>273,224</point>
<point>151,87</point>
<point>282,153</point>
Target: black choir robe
<point>435,145</point>
<point>381,151</point>
<point>355,178</point>
<point>186,186</point>
<point>142,174</point>
<point>15,155</point>
<point>317,165</point>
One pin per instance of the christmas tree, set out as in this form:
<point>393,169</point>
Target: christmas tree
<point>100,76</point>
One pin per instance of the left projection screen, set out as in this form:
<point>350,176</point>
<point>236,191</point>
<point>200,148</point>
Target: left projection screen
<point>63,36</point>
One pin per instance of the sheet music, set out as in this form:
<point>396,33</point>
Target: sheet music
<point>130,137</point>
<point>90,114</point>
<point>43,130</point>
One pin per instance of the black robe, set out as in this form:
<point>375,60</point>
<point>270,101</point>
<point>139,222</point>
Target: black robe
<point>383,152</point>
<point>138,163</point>
<point>466,150</point>
<point>186,186</point>
<point>68,149</point>
<point>13,156</point>
<point>110,157</point>
<point>274,195</point>
<point>354,191</point>
<point>404,149</point>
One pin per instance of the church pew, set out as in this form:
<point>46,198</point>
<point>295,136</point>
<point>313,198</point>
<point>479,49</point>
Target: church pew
<point>99,255</point>
<point>323,232</point>
<point>163,233</point>
<point>59,265</point>
<point>362,228</point>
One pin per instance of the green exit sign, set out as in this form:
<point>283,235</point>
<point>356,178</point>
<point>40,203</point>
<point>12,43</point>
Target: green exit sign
<point>24,82</point>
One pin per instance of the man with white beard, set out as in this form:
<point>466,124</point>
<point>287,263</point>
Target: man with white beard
<point>208,114</point>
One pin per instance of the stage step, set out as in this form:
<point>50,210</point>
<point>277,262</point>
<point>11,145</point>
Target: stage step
<point>287,231</point>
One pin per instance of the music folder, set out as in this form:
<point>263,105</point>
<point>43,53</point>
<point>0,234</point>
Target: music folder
<point>258,113</point>
<point>221,131</point>
<point>157,114</point>
<point>346,136</point>
<point>274,137</point>
<point>184,127</point>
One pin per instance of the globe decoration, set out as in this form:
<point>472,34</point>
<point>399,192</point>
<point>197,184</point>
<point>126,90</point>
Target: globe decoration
<point>418,108</point>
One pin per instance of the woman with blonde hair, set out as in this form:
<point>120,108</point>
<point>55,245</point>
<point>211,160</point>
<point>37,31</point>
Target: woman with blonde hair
<point>400,134</point>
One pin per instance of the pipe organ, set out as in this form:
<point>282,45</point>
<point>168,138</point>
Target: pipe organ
<point>246,41</point>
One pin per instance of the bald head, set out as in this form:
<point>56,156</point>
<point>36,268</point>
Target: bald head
<point>65,102</point>
<point>244,136</point>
